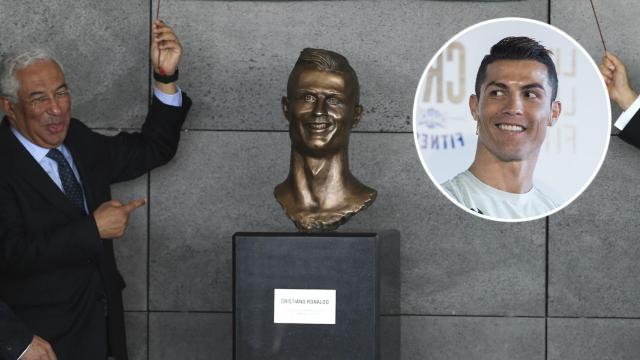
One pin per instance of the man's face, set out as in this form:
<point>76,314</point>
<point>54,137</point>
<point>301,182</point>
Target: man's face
<point>42,111</point>
<point>321,110</point>
<point>514,109</point>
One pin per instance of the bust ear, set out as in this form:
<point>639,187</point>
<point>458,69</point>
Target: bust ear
<point>285,107</point>
<point>357,115</point>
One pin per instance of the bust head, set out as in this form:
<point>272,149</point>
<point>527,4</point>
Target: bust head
<point>322,103</point>
<point>322,106</point>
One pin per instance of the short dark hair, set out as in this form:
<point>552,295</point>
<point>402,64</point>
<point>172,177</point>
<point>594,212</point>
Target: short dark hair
<point>326,60</point>
<point>519,48</point>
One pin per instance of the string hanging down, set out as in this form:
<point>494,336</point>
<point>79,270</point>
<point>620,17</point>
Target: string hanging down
<point>161,71</point>
<point>598,23</point>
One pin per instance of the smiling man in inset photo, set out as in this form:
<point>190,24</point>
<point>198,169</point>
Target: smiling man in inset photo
<point>514,104</point>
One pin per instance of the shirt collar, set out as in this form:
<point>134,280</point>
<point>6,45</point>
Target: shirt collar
<point>36,151</point>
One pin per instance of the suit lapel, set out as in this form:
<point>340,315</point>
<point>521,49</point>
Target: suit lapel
<point>21,164</point>
<point>84,180</point>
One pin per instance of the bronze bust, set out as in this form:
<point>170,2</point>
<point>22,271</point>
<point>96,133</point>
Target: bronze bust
<point>321,106</point>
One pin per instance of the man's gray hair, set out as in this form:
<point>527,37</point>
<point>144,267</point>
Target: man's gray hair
<point>11,63</point>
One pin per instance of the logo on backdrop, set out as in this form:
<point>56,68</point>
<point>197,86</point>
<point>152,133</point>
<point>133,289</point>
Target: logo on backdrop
<point>438,130</point>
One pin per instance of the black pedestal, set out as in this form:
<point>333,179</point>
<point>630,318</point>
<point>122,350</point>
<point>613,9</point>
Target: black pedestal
<point>340,265</point>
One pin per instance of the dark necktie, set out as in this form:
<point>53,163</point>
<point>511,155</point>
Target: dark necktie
<point>69,182</point>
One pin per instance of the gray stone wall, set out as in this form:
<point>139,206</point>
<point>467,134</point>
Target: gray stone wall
<point>565,287</point>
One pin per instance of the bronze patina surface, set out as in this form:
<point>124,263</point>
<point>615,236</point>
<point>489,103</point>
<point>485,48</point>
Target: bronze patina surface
<point>322,106</point>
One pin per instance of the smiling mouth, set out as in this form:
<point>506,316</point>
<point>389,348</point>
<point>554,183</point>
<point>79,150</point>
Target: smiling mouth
<point>318,126</point>
<point>511,128</point>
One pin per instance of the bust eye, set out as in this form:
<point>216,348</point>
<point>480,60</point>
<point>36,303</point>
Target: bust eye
<point>333,101</point>
<point>497,93</point>
<point>531,95</point>
<point>309,98</point>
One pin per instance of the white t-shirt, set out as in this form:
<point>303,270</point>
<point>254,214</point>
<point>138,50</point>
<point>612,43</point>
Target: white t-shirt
<point>473,194</point>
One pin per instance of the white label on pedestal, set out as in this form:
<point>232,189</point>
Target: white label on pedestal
<point>304,306</point>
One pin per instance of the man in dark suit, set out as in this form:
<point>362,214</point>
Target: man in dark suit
<point>16,337</point>
<point>57,268</point>
<point>615,76</point>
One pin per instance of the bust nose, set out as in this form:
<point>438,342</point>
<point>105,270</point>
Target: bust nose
<point>320,108</point>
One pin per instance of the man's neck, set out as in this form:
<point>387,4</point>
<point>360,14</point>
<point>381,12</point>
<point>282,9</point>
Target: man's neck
<point>510,176</point>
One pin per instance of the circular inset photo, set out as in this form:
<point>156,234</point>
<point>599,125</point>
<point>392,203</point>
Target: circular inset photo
<point>511,119</point>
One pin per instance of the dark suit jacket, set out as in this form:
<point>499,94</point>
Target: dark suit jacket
<point>631,132</point>
<point>56,274</point>
<point>14,334</point>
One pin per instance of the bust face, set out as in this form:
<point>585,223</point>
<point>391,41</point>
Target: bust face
<point>321,109</point>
